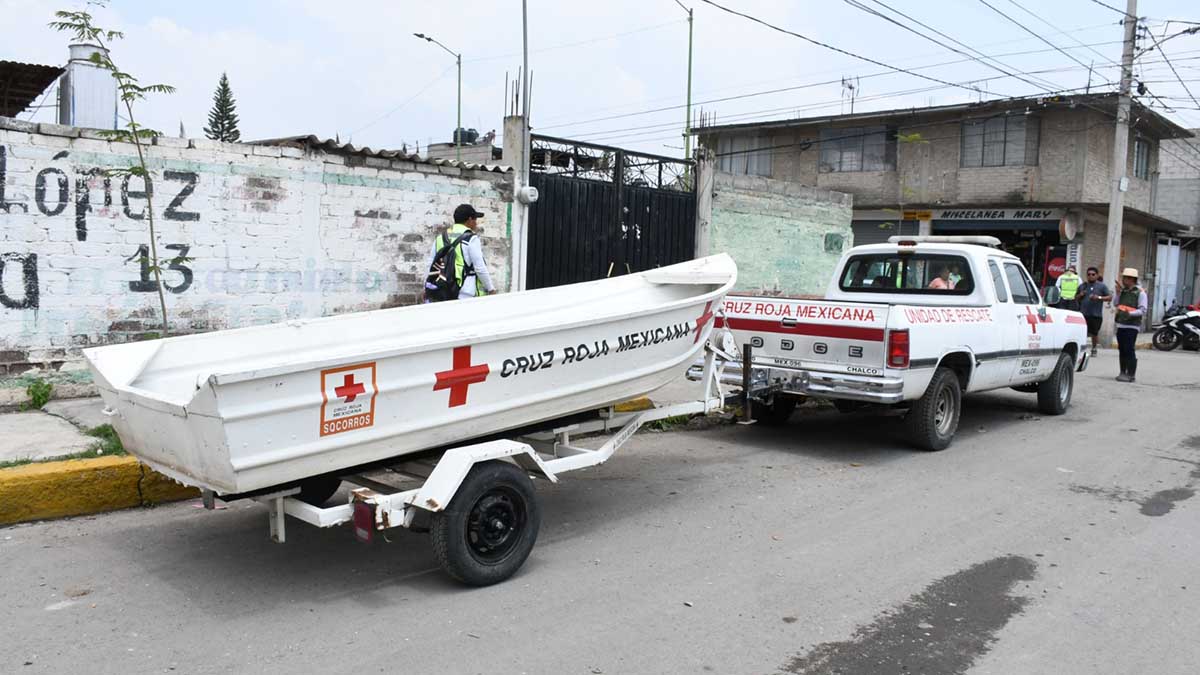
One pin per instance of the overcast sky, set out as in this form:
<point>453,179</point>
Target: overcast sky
<point>352,68</point>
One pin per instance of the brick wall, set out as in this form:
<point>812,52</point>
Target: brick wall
<point>786,238</point>
<point>272,234</point>
<point>1179,181</point>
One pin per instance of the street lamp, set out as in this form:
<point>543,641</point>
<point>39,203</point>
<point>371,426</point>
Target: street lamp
<point>458,124</point>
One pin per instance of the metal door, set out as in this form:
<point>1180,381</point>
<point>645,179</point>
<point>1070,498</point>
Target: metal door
<point>604,211</point>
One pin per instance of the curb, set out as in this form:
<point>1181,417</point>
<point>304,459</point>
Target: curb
<point>636,405</point>
<point>79,487</point>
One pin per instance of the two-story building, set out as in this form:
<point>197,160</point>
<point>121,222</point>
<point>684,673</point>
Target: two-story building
<point>1033,172</point>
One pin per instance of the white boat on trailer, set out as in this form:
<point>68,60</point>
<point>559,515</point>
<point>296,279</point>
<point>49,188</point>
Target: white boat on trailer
<point>283,413</point>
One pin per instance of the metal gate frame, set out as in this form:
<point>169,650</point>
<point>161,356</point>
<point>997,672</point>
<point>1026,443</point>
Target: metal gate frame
<point>605,211</point>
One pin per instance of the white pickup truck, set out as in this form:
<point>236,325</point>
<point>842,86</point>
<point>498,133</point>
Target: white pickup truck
<point>915,322</point>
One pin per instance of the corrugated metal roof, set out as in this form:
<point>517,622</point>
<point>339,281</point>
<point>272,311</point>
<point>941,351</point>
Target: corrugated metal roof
<point>22,83</point>
<point>329,145</point>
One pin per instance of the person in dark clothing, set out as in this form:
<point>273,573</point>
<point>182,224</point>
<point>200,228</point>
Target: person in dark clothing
<point>1130,302</point>
<point>1092,296</point>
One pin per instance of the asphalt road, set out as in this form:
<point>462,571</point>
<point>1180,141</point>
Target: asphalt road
<point>1032,545</point>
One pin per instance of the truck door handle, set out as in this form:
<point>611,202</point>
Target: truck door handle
<point>788,323</point>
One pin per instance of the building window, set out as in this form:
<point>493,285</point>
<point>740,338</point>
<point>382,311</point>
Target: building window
<point>858,149</point>
<point>1000,141</point>
<point>744,155</point>
<point>1141,159</point>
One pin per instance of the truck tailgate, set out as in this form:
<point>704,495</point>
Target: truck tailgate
<point>833,336</point>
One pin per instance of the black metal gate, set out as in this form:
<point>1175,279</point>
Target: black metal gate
<point>605,211</point>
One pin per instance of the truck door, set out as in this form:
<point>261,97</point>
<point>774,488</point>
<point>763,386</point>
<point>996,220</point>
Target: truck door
<point>996,358</point>
<point>1032,339</point>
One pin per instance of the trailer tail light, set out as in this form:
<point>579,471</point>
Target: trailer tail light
<point>364,522</point>
<point>897,349</point>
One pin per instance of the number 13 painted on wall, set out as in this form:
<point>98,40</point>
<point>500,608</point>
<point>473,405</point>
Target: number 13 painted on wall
<point>146,283</point>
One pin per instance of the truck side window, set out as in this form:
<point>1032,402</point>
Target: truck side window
<point>998,282</point>
<point>1022,292</point>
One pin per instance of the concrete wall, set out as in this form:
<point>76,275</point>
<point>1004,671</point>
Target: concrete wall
<point>778,233</point>
<point>272,234</point>
<point>1179,181</point>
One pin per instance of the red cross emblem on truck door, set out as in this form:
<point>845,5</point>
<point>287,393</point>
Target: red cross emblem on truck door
<point>461,376</point>
<point>1033,319</point>
<point>704,318</point>
<point>350,389</point>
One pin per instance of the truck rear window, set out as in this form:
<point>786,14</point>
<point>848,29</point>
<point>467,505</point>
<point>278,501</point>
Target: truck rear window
<point>916,273</point>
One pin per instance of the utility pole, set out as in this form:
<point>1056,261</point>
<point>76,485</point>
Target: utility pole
<point>687,123</point>
<point>1119,181</point>
<point>458,119</point>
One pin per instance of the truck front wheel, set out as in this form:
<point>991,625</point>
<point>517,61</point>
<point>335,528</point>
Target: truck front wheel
<point>933,419</point>
<point>487,531</point>
<point>1054,393</point>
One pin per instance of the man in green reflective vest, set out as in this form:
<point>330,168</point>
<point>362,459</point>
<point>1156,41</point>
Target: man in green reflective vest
<point>1130,303</point>
<point>1068,287</point>
<point>459,245</point>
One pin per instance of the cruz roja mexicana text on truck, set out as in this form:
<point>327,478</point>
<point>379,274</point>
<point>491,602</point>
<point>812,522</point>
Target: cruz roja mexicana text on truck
<point>915,323</point>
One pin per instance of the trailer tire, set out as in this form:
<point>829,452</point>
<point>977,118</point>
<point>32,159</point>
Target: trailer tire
<point>933,419</point>
<point>778,412</point>
<point>317,491</point>
<point>1054,393</point>
<point>488,529</point>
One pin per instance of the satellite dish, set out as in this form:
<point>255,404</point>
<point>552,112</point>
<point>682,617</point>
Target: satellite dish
<point>1068,226</point>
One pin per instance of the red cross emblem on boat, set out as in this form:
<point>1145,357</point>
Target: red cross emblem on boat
<point>350,389</point>
<point>461,376</point>
<point>704,318</point>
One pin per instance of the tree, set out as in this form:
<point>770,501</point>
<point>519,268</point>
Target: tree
<point>223,119</point>
<point>80,25</point>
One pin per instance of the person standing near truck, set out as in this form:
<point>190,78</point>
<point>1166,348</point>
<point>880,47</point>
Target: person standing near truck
<point>1068,289</point>
<point>1092,296</point>
<point>456,267</point>
<point>1130,302</point>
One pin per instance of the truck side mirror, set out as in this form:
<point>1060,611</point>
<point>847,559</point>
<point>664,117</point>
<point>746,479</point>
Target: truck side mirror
<point>1052,296</point>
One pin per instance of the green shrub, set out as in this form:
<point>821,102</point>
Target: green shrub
<point>109,443</point>
<point>39,394</point>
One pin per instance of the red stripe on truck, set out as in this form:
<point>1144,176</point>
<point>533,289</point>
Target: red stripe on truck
<point>813,329</point>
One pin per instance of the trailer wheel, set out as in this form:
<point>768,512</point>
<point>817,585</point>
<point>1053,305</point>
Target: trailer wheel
<point>933,419</point>
<point>778,412</point>
<point>487,531</point>
<point>1054,393</point>
<point>317,491</point>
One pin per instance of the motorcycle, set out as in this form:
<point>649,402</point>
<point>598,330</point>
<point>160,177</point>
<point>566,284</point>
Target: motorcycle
<point>1179,330</point>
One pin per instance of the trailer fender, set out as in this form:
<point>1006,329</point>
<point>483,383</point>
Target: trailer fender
<point>452,468</point>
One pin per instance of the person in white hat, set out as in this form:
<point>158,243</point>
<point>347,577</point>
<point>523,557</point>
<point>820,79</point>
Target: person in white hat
<point>1130,302</point>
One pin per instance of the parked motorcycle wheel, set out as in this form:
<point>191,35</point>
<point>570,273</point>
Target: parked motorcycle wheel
<point>1165,339</point>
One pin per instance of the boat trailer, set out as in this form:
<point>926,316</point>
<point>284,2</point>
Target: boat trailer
<point>477,500</point>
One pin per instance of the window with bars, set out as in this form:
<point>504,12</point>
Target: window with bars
<point>858,149</point>
<point>1141,159</point>
<point>744,155</point>
<point>1001,141</point>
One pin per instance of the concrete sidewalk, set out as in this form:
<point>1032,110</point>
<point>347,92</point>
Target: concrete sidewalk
<point>42,475</point>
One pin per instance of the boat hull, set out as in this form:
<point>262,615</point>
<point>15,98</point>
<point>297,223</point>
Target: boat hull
<point>231,412</point>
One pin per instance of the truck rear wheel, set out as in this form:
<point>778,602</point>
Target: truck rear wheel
<point>778,412</point>
<point>933,419</point>
<point>487,531</point>
<point>1054,393</point>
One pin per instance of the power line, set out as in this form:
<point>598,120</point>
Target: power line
<point>858,5</point>
<point>406,101</point>
<point>793,88</point>
<point>1118,11</point>
<point>1176,72</point>
<point>568,45</point>
<point>830,47</point>
<point>1031,32</point>
<point>1060,31</point>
